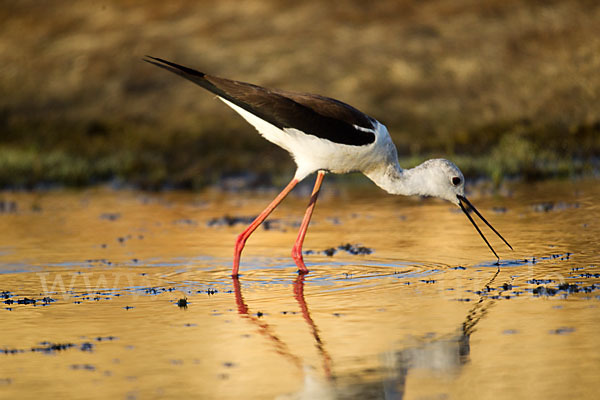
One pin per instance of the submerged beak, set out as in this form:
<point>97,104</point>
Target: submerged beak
<point>462,199</point>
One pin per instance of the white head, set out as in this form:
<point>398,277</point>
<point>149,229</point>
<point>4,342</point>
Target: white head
<point>442,178</point>
<point>438,178</point>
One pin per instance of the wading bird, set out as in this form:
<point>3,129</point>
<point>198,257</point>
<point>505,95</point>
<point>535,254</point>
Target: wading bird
<point>325,135</point>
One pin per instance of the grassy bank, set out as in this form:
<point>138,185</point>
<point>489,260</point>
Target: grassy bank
<point>504,88</point>
<point>153,159</point>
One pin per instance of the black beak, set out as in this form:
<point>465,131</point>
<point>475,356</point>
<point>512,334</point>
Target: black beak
<point>462,199</point>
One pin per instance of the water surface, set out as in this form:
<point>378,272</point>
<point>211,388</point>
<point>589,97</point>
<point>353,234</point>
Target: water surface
<point>134,299</point>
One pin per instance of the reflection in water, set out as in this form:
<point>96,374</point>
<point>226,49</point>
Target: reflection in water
<point>263,327</point>
<point>266,330</point>
<point>440,356</point>
<point>299,295</point>
<point>445,355</point>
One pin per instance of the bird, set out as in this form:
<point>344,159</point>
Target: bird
<point>324,135</point>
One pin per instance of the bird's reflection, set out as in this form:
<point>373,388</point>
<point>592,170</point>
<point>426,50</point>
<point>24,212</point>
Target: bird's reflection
<point>446,354</point>
<point>265,329</point>
<point>299,295</point>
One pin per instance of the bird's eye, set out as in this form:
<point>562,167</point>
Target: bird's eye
<point>456,181</point>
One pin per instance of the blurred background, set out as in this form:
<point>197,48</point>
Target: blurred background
<point>505,88</point>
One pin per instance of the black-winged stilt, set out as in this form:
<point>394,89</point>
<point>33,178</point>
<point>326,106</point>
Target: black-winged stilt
<point>325,135</point>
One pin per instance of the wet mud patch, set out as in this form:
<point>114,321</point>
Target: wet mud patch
<point>353,249</point>
<point>244,221</point>
<point>228,220</point>
<point>46,347</point>
<point>553,206</point>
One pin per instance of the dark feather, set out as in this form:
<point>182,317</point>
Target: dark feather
<point>312,114</point>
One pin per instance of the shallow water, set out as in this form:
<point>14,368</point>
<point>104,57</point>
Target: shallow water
<point>426,315</point>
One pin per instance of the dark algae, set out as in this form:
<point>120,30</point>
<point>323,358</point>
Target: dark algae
<point>182,303</point>
<point>353,249</point>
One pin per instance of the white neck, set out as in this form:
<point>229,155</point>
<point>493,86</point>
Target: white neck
<point>395,180</point>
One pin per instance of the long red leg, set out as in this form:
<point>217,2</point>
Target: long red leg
<point>297,249</point>
<point>241,240</point>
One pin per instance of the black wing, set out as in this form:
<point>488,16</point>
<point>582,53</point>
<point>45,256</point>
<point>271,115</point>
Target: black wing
<point>312,114</point>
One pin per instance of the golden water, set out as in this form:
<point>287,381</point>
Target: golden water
<point>427,315</point>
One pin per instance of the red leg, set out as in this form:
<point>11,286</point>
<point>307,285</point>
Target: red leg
<point>241,240</point>
<point>297,249</point>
